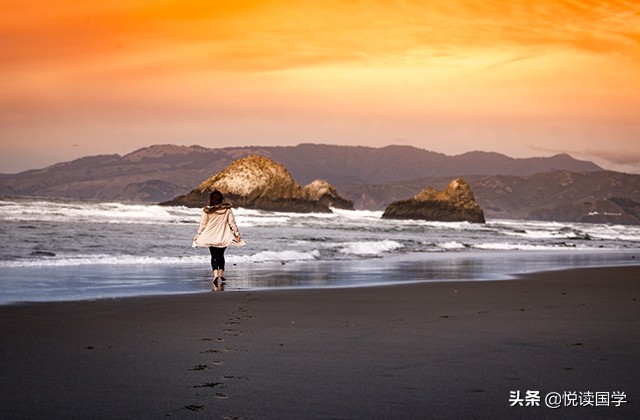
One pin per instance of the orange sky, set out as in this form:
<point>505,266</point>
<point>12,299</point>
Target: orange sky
<point>519,77</point>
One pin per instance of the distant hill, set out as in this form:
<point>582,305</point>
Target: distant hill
<point>346,164</point>
<point>159,173</point>
<point>563,196</point>
<point>553,188</point>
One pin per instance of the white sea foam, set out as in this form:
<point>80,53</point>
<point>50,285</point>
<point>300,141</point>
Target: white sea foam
<point>369,247</point>
<point>506,246</point>
<point>357,214</point>
<point>122,260</point>
<point>77,260</point>
<point>95,213</point>
<point>273,256</point>
<point>450,245</point>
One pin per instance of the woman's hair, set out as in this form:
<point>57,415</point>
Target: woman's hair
<point>215,198</point>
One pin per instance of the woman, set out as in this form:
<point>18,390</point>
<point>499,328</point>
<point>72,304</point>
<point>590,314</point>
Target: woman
<point>217,231</point>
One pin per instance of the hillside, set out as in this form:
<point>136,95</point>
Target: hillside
<point>600,197</point>
<point>159,173</point>
<point>555,188</point>
<point>344,164</point>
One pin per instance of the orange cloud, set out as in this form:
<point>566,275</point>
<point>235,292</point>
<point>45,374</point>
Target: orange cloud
<point>191,59</point>
<point>267,35</point>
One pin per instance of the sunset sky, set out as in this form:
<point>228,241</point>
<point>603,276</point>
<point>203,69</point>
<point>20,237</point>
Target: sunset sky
<point>523,78</point>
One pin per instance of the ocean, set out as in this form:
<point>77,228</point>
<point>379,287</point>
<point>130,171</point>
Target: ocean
<point>57,250</point>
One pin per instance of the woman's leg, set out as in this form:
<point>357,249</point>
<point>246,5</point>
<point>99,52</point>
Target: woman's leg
<point>217,259</point>
<point>221,263</point>
<point>215,262</point>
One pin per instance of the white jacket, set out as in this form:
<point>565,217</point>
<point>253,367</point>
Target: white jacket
<point>217,227</point>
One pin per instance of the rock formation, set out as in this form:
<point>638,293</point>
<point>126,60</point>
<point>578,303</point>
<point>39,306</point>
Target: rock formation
<point>455,204</point>
<point>325,193</point>
<point>257,182</point>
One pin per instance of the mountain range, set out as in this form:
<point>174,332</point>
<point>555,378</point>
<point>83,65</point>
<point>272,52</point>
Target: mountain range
<point>371,177</point>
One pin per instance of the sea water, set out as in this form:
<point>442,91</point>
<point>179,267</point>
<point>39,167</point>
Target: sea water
<point>66,250</point>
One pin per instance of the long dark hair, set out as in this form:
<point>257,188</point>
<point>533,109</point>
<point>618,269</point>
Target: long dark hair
<point>215,198</point>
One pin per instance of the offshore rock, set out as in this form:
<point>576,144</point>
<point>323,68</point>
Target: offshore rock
<point>455,204</point>
<point>325,193</point>
<point>255,182</point>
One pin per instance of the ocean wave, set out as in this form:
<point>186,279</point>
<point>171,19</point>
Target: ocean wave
<point>369,247</point>
<point>52,260</point>
<point>273,256</point>
<point>83,212</point>
<point>77,260</point>
<point>357,214</point>
<point>451,245</point>
<point>506,246</point>
<point>69,227</point>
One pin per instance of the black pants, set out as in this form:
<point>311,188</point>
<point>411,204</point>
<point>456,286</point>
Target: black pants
<point>217,257</point>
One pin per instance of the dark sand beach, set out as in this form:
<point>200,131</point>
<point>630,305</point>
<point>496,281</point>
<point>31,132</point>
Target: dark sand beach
<point>431,350</point>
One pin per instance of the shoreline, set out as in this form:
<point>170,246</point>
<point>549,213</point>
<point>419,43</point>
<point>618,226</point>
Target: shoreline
<point>95,282</point>
<point>421,350</point>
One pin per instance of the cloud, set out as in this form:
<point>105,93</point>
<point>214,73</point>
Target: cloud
<point>278,34</point>
<point>614,157</point>
<point>151,63</point>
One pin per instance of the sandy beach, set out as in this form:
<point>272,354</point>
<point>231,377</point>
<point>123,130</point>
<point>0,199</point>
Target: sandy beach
<point>432,350</point>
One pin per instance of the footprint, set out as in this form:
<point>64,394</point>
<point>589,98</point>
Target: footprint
<point>199,367</point>
<point>208,385</point>
<point>210,351</point>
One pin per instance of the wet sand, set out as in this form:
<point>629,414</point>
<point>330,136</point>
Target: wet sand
<point>432,350</point>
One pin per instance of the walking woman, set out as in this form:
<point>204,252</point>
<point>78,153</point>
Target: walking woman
<point>217,231</point>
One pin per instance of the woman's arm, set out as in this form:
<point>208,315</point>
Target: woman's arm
<point>232,224</point>
<point>203,224</point>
